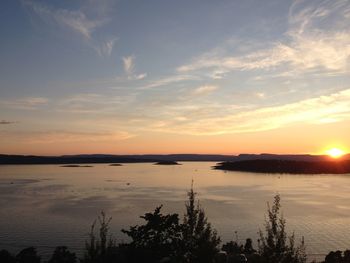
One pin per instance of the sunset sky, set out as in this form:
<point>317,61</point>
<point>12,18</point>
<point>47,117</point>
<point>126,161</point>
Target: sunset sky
<point>132,77</point>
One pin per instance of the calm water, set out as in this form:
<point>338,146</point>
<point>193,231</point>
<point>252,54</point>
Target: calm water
<point>48,205</point>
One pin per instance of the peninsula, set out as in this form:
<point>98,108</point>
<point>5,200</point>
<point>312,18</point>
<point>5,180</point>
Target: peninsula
<point>287,166</point>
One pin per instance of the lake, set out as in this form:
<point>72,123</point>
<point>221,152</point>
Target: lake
<point>48,205</point>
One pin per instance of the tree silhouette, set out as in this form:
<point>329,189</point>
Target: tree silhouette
<point>62,255</point>
<point>337,257</point>
<point>162,238</point>
<point>248,247</point>
<point>273,245</point>
<point>6,257</point>
<point>28,255</point>
<point>99,248</point>
<point>200,241</point>
<point>159,238</point>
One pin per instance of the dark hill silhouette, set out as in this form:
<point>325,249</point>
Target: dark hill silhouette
<point>287,166</point>
<point>73,159</point>
<point>287,157</point>
<point>152,158</point>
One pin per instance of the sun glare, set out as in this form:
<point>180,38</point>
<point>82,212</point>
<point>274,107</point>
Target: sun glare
<point>335,152</point>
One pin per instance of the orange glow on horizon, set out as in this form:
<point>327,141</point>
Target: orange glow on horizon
<point>335,153</point>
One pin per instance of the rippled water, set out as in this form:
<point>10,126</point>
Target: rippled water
<point>48,205</point>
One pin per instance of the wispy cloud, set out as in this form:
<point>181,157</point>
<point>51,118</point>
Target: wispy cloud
<point>49,137</point>
<point>205,90</point>
<point>74,20</point>
<point>87,103</point>
<point>3,122</point>
<point>328,14</point>
<point>106,47</point>
<point>129,68</point>
<point>129,64</point>
<point>140,76</point>
<point>77,21</point>
<point>27,103</point>
<point>168,80</point>
<point>210,120</point>
<point>318,38</point>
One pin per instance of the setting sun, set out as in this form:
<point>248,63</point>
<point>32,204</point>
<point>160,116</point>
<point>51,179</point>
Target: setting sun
<point>335,152</point>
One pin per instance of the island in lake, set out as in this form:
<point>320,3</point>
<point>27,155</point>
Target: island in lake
<point>76,165</point>
<point>167,163</point>
<point>287,166</point>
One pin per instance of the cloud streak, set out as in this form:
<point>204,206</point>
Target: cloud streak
<point>310,44</point>
<point>129,68</point>
<point>168,80</point>
<point>106,47</point>
<point>27,103</point>
<point>76,21</point>
<point>3,122</point>
<point>210,120</point>
<point>129,64</point>
<point>87,103</point>
<point>205,90</point>
<point>51,137</point>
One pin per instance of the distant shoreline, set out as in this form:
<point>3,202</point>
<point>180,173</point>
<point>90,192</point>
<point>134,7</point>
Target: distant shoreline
<point>287,166</point>
<point>154,158</point>
<point>108,159</point>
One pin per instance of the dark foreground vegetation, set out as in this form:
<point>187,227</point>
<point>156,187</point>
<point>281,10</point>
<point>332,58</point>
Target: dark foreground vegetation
<point>164,238</point>
<point>287,166</point>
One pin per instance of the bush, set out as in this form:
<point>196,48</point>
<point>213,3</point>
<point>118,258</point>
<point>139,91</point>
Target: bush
<point>62,255</point>
<point>200,241</point>
<point>162,238</point>
<point>100,248</point>
<point>273,245</point>
<point>233,247</point>
<point>337,257</point>
<point>157,239</point>
<point>28,255</point>
<point>6,257</point>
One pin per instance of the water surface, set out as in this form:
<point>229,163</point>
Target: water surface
<point>49,205</point>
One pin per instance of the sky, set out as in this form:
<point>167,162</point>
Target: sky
<point>138,77</point>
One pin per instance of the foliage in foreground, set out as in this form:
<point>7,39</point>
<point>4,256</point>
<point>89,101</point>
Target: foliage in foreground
<point>274,245</point>
<point>158,238</point>
<point>200,242</point>
<point>163,238</point>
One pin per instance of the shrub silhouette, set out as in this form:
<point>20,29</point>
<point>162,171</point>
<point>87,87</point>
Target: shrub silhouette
<point>100,248</point>
<point>162,238</point>
<point>62,255</point>
<point>200,241</point>
<point>273,245</point>
<point>233,247</point>
<point>159,238</point>
<point>28,255</point>
<point>248,247</point>
<point>6,257</point>
<point>337,257</point>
